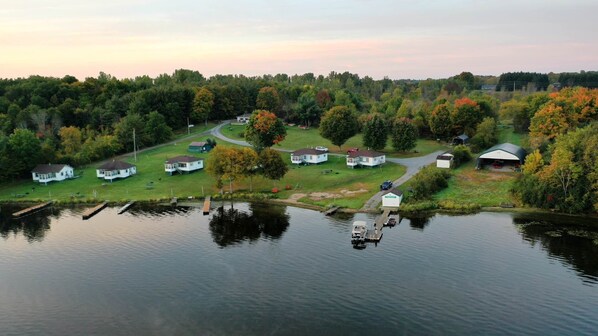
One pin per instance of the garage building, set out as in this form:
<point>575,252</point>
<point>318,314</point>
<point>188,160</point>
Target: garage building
<point>505,154</point>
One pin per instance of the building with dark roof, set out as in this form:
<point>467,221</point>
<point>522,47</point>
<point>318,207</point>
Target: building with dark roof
<point>462,139</point>
<point>309,155</point>
<point>44,173</point>
<point>502,154</point>
<point>115,169</point>
<point>199,147</point>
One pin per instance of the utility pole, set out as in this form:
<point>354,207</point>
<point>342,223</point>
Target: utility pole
<point>188,128</point>
<point>134,146</point>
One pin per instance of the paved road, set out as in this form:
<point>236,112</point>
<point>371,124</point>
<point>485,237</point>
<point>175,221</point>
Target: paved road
<point>413,164</point>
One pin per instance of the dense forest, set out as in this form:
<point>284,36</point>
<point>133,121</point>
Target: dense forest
<point>44,119</point>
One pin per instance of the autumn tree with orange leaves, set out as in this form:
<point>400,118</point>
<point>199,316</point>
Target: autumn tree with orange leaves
<point>264,130</point>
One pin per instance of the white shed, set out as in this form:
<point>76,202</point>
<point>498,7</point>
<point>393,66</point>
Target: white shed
<point>445,160</point>
<point>392,198</point>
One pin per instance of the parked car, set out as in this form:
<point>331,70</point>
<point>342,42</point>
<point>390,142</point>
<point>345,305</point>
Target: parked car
<point>386,185</point>
<point>352,150</point>
<point>322,148</point>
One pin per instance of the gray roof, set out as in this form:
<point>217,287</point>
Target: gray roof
<point>310,151</point>
<point>116,165</point>
<point>183,158</point>
<point>365,153</point>
<point>198,144</point>
<point>462,137</point>
<point>48,168</point>
<point>445,156</point>
<point>509,148</point>
<point>394,190</point>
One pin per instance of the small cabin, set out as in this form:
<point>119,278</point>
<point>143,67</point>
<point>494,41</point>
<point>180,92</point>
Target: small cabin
<point>45,173</point>
<point>183,164</point>
<point>445,160</point>
<point>392,198</point>
<point>199,147</point>
<point>309,156</point>
<point>244,118</point>
<point>115,169</point>
<point>366,158</point>
<point>462,139</point>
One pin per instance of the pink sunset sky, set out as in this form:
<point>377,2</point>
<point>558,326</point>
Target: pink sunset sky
<point>399,39</point>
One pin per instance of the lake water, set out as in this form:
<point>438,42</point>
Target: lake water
<point>256,269</point>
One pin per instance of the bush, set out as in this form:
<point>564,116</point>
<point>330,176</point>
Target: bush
<point>462,154</point>
<point>419,206</point>
<point>428,181</point>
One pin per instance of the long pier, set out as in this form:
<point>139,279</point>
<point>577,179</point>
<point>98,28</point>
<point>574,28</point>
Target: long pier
<point>87,214</point>
<point>206,205</point>
<point>125,207</point>
<point>31,209</point>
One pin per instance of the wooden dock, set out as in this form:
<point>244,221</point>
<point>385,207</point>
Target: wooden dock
<point>31,209</point>
<point>331,211</point>
<point>376,234</point>
<point>174,201</point>
<point>206,205</point>
<point>125,207</point>
<point>87,214</point>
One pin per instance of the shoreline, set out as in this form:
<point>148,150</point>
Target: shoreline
<point>297,204</point>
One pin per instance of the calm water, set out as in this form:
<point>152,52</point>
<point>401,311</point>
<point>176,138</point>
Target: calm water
<point>267,270</point>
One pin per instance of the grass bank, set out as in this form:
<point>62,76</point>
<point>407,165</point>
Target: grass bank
<point>330,182</point>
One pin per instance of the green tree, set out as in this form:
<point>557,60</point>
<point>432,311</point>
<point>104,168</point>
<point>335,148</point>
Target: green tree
<point>272,165</point>
<point>461,154</point>
<point>264,130</point>
<point>218,164</point>
<point>403,134</point>
<point>375,132</point>
<point>203,103</point>
<point>124,131</point>
<point>268,99</point>
<point>307,108</point>
<point>338,125</point>
<point>156,129</point>
<point>440,121</point>
<point>246,164</point>
<point>25,150</point>
<point>486,134</point>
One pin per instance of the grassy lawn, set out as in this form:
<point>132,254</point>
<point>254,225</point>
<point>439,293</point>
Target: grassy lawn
<point>337,183</point>
<point>300,138</point>
<point>484,187</point>
<point>506,134</point>
<point>343,186</point>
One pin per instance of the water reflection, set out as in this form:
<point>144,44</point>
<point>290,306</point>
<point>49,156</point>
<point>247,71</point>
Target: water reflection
<point>33,227</point>
<point>230,226</point>
<point>418,222</point>
<point>575,243</point>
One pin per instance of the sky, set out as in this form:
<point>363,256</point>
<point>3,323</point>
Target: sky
<point>399,39</point>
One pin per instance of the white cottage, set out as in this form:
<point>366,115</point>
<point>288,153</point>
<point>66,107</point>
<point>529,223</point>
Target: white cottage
<point>365,158</point>
<point>183,164</point>
<point>45,173</point>
<point>445,160</point>
<point>392,198</point>
<point>115,169</point>
<point>309,155</point>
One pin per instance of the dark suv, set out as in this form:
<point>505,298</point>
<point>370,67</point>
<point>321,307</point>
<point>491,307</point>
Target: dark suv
<point>386,185</point>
